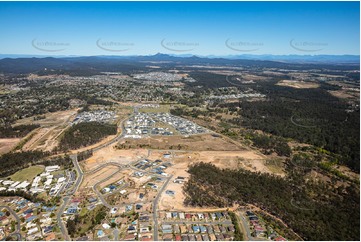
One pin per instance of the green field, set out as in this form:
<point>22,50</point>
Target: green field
<point>27,174</point>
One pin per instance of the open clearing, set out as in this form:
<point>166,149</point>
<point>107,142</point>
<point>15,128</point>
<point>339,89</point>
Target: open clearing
<point>27,174</point>
<point>93,178</point>
<point>46,137</point>
<point>109,154</point>
<point>298,84</point>
<point>194,142</point>
<point>8,144</point>
<point>160,109</point>
<point>345,94</point>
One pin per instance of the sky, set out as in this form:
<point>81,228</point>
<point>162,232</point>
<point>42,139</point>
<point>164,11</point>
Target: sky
<point>200,28</point>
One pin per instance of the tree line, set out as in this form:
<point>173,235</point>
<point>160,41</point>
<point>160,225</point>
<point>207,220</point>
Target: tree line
<point>15,161</point>
<point>17,131</point>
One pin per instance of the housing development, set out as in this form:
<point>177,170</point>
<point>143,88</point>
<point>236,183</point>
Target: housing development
<point>179,121</point>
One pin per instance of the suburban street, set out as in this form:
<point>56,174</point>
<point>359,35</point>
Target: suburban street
<point>66,199</point>
<point>245,227</point>
<point>17,231</point>
<point>155,206</point>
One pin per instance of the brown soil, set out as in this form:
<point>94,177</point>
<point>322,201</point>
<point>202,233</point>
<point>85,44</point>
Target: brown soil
<point>6,145</point>
<point>298,84</point>
<point>194,142</point>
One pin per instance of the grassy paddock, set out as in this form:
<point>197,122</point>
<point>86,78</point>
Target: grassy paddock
<point>27,174</point>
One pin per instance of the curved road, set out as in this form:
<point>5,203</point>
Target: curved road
<point>17,231</point>
<point>66,199</point>
<point>74,158</point>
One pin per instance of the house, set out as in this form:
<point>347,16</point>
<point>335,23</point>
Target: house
<point>231,228</point>
<point>205,237</point>
<point>258,230</point>
<point>5,221</point>
<point>202,229</point>
<point>71,211</point>
<point>31,218</point>
<point>279,238</point>
<point>178,238</point>
<point>227,237</point>
<point>144,218</point>
<point>168,237</point>
<point>130,237</point>
<point>219,237</point>
<point>184,237</point>
<point>222,229</point>
<point>253,218</point>
<point>92,199</point>
<point>200,216</point>
<point>183,229</point>
<point>132,229</point>
<point>192,237</point>
<point>212,237</point>
<point>168,215</point>
<point>176,229</point>
<point>199,237</point>
<point>46,221</point>
<point>144,230</point>
<point>146,238</point>
<point>106,226</point>
<point>209,229</point>
<point>52,168</point>
<point>50,237</point>
<point>216,229</point>
<point>181,215</point>
<point>30,225</point>
<point>47,229</point>
<point>167,228</point>
<point>195,229</point>
<point>33,230</point>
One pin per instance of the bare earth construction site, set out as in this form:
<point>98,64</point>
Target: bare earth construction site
<point>146,173</point>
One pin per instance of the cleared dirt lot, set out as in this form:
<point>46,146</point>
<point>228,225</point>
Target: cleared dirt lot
<point>46,137</point>
<point>114,155</point>
<point>90,180</point>
<point>194,142</point>
<point>7,145</point>
<point>298,84</point>
<point>345,94</point>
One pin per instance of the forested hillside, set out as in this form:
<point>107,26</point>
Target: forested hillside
<point>84,134</point>
<point>314,211</point>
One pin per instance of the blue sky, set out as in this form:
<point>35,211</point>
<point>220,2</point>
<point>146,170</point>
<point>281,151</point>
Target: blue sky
<point>203,28</point>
